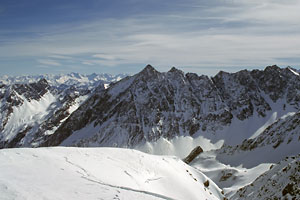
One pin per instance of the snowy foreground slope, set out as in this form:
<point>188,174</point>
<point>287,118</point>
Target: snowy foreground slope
<point>99,173</point>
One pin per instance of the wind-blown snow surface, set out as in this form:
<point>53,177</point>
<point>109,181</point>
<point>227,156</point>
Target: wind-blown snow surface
<point>99,173</point>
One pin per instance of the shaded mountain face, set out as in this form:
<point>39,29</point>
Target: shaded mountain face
<point>150,105</point>
<point>31,110</point>
<point>282,181</point>
<point>282,132</point>
<point>280,139</point>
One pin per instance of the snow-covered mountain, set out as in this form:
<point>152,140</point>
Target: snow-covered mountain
<point>245,121</point>
<point>30,110</point>
<point>151,105</point>
<point>99,173</point>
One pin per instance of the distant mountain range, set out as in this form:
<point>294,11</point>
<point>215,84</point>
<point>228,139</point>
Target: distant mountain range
<point>64,80</point>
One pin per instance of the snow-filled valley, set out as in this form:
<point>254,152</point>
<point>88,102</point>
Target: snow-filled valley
<point>247,123</point>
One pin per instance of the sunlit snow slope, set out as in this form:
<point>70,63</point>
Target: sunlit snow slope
<point>99,173</point>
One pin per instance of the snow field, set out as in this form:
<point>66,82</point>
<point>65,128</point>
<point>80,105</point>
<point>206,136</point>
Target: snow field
<point>98,173</point>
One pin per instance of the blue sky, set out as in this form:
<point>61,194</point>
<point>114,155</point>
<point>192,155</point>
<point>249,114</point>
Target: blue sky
<point>122,36</point>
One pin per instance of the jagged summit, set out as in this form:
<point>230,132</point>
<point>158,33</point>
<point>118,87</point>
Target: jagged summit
<point>149,69</point>
<point>175,70</point>
<point>147,73</point>
<point>272,68</point>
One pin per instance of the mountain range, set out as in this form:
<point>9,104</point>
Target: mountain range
<point>247,122</point>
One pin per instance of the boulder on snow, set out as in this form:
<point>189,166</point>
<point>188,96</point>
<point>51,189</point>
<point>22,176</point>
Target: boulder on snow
<point>194,153</point>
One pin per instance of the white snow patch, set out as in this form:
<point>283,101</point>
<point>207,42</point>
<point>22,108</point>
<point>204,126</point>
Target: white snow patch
<point>106,85</point>
<point>77,103</point>
<point>296,73</point>
<point>271,120</point>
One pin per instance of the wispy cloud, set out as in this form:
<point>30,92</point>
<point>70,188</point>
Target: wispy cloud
<point>60,57</point>
<point>87,63</point>
<point>104,56</point>
<point>48,62</point>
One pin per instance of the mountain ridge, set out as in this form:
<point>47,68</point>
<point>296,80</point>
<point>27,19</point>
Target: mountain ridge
<point>172,103</point>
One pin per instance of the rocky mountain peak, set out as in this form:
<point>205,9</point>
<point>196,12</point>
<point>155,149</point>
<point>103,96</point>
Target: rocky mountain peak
<point>32,90</point>
<point>147,74</point>
<point>175,70</point>
<point>44,82</point>
<point>148,70</point>
<point>272,68</point>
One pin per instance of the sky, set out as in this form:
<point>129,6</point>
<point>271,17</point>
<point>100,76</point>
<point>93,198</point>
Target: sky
<point>123,36</point>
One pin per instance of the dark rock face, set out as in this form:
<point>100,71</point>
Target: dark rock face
<point>32,90</point>
<point>150,105</point>
<point>241,93</point>
<point>194,153</point>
